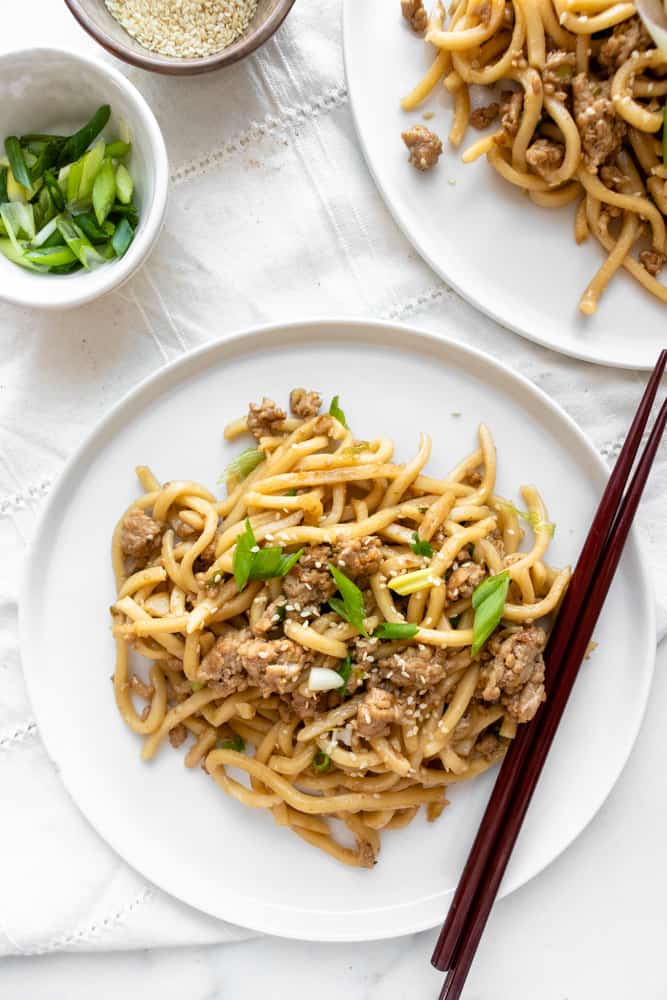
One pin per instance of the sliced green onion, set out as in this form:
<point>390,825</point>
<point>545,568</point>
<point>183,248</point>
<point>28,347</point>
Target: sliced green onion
<point>410,583</point>
<point>488,600</point>
<point>104,191</point>
<point>107,251</point>
<point>46,159</point>
<point>270,567</point>
<point>51,256</point>
<point>18,218</point>
<point>55,240</point>
<point>15,191</point>
<point>44,233</point>
<point>351,608</point>
<point>76,145</point>
<point>74,182</point>
<point>66,268</point>
<point>79,244</point>
<point>17,162</point>
<point>117,150</point>
<point>122,238</point>
<point>11,252</point>
<point>54,190</point>
<point>530,516</point>
<point>40,137</point>
<point>243,464</point>
<point>252,563</point>
<point>124,184</point>
<point>129,211</point>
<point>243,556</point>
<point>42,175</point>
<point>237,744</point>
<point>345,671</point>
<point>197,685</point>
<point>396,630</point>
<point>92,165</point>
<point>420,547</point>
<point>336,411</point>
<point>321,762</point>
<point>488,586</point>
<point>87,222</point>
<point>44,208</point>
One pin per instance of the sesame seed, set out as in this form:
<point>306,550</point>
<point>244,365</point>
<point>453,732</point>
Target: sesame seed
<point>187,29</point>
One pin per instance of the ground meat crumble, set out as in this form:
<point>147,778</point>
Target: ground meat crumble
<point>424,145</point>
<point>514,672</point>
<point>139,535</point>
<point>415,14</point>
<point>265,418</point>
<point>304,403</point>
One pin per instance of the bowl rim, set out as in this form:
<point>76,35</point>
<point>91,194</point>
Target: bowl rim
<point>152,218</point>
<point>172,66</point>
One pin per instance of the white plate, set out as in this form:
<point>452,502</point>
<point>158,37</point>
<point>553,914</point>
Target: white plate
<point>174,825</point>
<point>513,260</point>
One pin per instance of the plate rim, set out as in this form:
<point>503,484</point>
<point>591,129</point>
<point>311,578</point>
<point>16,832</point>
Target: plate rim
<point>402,221</point>
<point>241,341</point>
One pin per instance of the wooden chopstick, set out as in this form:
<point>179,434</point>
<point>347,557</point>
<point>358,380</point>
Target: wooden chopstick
<point>467,946</point>
<point>523,764</point>
<point>494,817</point>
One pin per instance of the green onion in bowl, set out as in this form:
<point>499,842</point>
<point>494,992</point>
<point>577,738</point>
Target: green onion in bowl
<point>66,202</point>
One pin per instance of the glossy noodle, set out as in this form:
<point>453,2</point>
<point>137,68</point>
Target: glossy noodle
<point>310,635</point>
<point>576,99</point>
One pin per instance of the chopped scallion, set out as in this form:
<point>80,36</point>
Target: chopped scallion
<point>17,162</point>
<point>104,191</point>
<point>321,762</point>
<point>350,605</point>
<point>488,601</point>
<point>396,630</point>
<point>421,547</point>
<point>237,744</point>
<point>336,411</point>
<point>243,464</point>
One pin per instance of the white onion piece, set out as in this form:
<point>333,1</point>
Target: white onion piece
<point>652,13</point>
<point>343,735</point>
<point>323,679</point>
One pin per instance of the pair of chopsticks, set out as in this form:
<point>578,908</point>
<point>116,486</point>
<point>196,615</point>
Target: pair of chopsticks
<point>565,651</point>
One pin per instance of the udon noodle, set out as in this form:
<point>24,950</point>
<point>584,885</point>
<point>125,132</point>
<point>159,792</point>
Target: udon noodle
<point>343,636</point>
<point>581,120</point>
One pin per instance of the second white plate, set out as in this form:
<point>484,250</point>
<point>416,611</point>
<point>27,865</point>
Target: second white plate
<point>175,826</point>
<point>513,260</point>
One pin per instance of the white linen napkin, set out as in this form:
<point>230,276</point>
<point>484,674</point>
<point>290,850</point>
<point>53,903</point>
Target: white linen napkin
<point>273,215</point>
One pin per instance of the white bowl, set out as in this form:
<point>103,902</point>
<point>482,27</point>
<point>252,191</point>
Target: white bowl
<point>52,90</point>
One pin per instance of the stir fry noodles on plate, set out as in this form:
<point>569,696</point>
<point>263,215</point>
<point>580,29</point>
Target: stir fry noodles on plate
<point>344,635</point>
<point>575,91</point>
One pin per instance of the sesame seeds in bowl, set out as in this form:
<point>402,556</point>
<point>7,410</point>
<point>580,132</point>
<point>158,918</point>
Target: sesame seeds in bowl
<point>180,37</point>
<point>189,29</point>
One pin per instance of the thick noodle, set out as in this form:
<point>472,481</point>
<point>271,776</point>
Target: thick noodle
<point>590,87</point>
<point>235,668</point>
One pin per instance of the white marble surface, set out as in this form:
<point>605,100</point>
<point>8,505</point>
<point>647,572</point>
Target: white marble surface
<point>591,926</point>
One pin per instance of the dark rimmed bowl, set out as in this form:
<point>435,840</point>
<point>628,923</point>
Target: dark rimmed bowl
<point>94,17</point>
